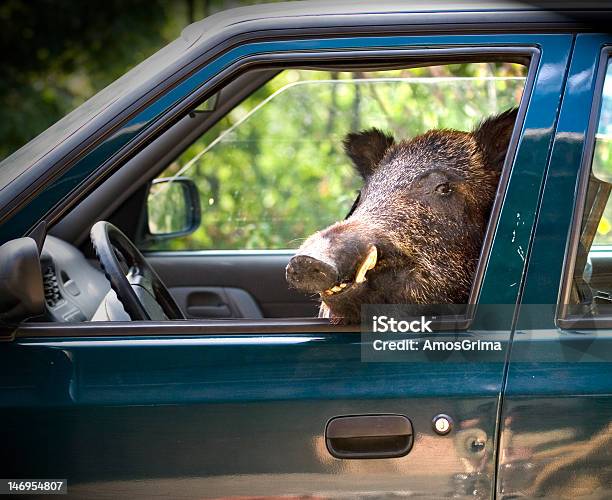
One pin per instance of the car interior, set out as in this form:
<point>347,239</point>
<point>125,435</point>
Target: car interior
<point>186,266</point>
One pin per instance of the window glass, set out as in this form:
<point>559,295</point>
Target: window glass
<point>602,160</point>
<point>273,170</point>
<point>591,287</point>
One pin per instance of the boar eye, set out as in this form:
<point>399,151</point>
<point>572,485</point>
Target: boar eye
<point>444,189</point>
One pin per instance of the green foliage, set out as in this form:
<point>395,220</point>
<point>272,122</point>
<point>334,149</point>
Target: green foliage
<point>273,171</point>
<point>56,54</point>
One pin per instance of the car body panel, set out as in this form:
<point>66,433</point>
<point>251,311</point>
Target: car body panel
<point>556,432</point>
<point>244,413</point>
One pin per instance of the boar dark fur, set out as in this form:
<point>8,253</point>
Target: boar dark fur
<point>424,204</point>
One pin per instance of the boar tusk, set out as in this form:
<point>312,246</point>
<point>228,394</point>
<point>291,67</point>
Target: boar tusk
<point>368,263</point>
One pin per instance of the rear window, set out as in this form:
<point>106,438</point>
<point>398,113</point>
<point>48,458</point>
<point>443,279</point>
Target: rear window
<point>591,280</point>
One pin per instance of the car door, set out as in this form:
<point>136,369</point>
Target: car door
<point>205,409</point>
<point>556,421</point>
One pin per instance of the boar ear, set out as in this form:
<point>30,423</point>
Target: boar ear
<point>493,137</point>
<point>366,149</point>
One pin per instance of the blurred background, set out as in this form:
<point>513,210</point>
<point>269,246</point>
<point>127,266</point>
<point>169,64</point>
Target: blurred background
<point>58,53</point>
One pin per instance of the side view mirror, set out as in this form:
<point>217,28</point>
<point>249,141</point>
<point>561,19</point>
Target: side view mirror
<point>173,208</point>
<point>21,284</point>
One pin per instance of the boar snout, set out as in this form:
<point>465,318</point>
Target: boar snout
<point>332,261</point>
<point>310,274</point>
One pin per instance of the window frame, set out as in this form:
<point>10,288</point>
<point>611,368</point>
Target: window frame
<point>563,319</point>
<point>441,54</point>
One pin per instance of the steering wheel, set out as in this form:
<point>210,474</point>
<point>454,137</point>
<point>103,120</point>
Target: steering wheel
<point>138,287</point>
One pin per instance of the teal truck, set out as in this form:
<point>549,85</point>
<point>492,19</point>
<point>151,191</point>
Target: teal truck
<point>150,346</point>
